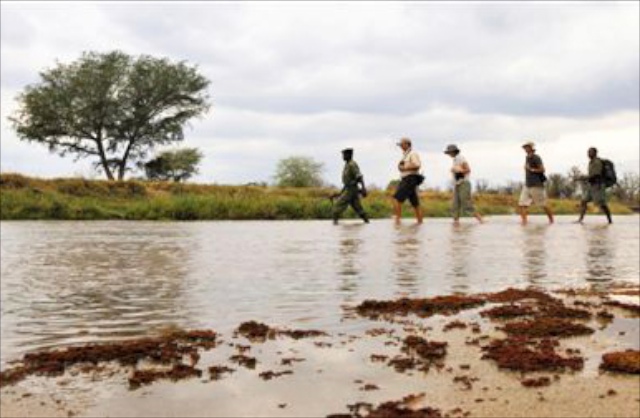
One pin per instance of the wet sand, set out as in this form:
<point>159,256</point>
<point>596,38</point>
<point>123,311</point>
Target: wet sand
<point>513,353</point>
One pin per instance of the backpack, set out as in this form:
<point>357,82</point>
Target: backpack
<point>608,173</point>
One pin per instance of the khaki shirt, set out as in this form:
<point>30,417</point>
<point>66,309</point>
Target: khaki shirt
<point>411,157</point>
<point>458,162</point>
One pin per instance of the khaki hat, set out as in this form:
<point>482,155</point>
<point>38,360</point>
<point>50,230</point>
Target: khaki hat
<point>403,140</point>
<point>530,144</point>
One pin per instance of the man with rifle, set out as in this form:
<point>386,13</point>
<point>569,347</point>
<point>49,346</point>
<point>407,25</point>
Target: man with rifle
<point>350,193</point>
<point>595,184</point>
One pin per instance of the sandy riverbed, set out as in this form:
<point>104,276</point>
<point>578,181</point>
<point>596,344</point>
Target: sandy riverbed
<point>445,354</point>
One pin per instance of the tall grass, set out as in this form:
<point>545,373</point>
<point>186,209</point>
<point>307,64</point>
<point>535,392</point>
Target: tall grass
<point>24,197</point>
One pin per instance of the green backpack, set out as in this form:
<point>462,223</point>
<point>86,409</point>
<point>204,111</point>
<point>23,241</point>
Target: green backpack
<point>608,173</point>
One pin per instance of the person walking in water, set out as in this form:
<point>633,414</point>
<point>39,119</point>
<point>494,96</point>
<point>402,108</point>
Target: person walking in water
<point>410,178</point>
<point>533,190</point>
<point>462,203</point>
<point>594,189</point>
<point>350,193</point>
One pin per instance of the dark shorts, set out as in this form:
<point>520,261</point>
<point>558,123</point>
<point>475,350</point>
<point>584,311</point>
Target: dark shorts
<point>408,189</point>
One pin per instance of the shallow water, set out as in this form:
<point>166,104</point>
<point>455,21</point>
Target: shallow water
<point>70,282</point>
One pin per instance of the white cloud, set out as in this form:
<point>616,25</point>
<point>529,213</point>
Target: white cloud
<point>312,78</point>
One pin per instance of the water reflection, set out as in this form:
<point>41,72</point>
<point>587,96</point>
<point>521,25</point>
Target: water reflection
<point>459,252</point>
<point>349,249</point>
<point>78,290</point>
<point>73,282</point>
<point>407,260</point>
<point>600,254</point>
<point>534,253</point>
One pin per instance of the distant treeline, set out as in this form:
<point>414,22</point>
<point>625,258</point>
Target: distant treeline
<point>24,197</point>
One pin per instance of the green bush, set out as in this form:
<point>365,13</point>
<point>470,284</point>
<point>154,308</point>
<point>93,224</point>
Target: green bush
<point>30,198</point>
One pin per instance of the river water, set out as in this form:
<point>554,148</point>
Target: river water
<point>71,282</point>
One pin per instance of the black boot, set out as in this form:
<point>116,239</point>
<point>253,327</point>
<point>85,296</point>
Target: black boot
<point>364,217</point>
<point>607,212</point>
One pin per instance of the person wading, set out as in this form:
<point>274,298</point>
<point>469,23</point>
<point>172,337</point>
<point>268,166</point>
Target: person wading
<point>411,178</point>
<point>462,203</point>
<point>533,190</point>
<point>350,193</point>
<point>595,186</point>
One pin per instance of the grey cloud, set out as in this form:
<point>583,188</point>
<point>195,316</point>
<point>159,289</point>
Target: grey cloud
<point>310,78</point>
<point>487,58</point>
<point>16,28</point>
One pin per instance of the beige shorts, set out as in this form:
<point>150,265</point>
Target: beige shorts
<point>535,195</point>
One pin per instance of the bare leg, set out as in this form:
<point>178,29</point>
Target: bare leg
<point>478,217</point>
<point>397,211</point>
<point>547,210</point>
<point>523,215</point>
<point>418,211</point>
<point>583,211</point>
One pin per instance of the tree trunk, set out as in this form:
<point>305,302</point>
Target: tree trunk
<point>103,159</point>
<point>122,167</point>
<point>107,169</point>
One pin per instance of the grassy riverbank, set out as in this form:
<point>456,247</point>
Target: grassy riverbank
<point>24,197</point>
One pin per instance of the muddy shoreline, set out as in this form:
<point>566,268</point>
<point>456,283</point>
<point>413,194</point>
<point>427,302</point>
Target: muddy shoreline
<point>518,352</point>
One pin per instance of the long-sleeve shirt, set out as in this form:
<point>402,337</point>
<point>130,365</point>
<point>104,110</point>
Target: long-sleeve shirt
<point>351,174</point>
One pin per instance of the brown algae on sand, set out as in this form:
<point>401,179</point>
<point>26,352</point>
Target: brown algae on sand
<point>524,331</point>
<point>444,305</point>
<point>622,361</point>
<point>171,349</point>
<point>258,332</point>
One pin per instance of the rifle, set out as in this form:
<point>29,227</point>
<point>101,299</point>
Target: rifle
<point>362,191</point>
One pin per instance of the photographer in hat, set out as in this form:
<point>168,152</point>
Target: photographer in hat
<point>410,178</point>
<point>462,203</point>
<point>533,191</point>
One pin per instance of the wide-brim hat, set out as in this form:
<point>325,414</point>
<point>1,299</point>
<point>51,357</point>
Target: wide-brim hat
<point>403,141</point>
<point>529,144</point>
<point>451,149</point>
<point>347,151</point>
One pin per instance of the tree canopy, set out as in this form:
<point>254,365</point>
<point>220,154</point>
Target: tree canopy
<point>299,172</point>
<point>176,165</point>
<point>111,107</point>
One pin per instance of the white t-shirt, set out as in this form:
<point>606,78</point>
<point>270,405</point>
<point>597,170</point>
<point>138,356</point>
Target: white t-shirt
<point>413,158</point>
<point>458,161</point>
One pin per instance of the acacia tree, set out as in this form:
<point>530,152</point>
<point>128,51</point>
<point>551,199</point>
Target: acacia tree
<point>299,172</point>
<point>111,107</point>
<point>173,165</point>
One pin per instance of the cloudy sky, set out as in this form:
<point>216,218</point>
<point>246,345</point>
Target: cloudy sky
<point>311,78</point>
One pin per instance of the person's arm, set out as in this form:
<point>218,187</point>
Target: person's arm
<point>344,187</point>
<point>359,178</point>
<point>363,190</point>
<point>536,166</point>
<point>412,164</point>
<point>333,196</point>
<point>539,169</point>
<point>462,168</point>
